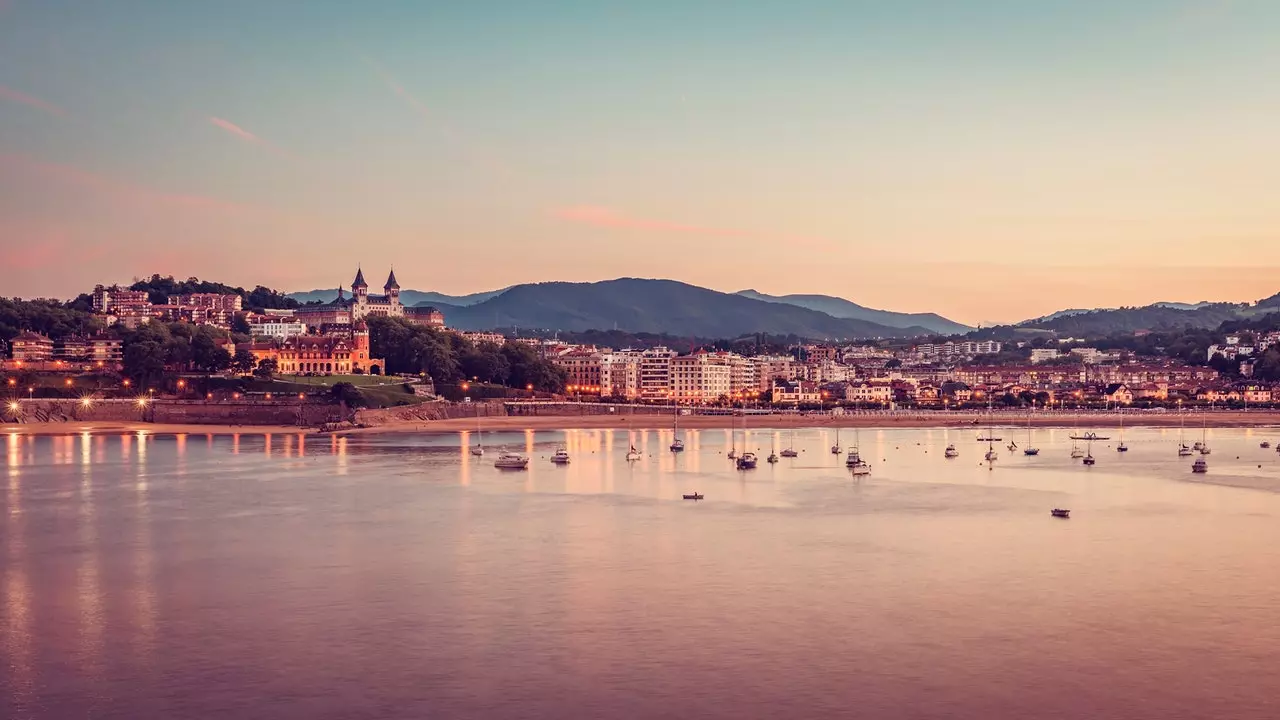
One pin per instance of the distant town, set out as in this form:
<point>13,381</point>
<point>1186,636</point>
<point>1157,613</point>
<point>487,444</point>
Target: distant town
<point>144,345</point>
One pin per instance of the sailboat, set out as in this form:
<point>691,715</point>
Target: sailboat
<point>1204,439</point>
<point>1030,449</point>
<point>478,448</point>
<point>1088,458</point>
<point>836,449</point>
<point>632,454</point>
<point>773,451</point>
<point>677,445</point>
<point>991,450</point>
<point>854,460</point>
<point>1183,450</point>
<point>790,450</point>
<point>1076,452</point>
<point>1122,447</point>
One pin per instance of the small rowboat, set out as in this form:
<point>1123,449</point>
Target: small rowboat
<point>1060,513</point>
<point>693,496</point>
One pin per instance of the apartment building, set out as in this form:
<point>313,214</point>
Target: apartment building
<point>655,373</point>
<point>620,375</point>
<point>701,377</point>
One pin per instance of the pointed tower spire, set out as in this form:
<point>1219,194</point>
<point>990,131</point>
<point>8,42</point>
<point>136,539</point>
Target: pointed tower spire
<point>359,281</point>
<point>391,281</point>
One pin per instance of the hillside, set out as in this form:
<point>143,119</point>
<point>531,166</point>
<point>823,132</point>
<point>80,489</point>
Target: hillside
<point>1151,317</point>
<point>639,305</point>
<point>841,308</point>
<point>407,297</point>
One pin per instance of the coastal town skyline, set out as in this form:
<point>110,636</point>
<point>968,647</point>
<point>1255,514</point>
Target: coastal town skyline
<point>986,163</point>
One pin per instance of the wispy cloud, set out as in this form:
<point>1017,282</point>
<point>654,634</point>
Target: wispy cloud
<point>245,135</point>
<point>115,188</point>
<point>457,138</point>
<point>608,218</point>
<point>30,101</point>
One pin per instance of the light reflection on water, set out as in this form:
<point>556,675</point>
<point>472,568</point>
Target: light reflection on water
<point>397,575</point>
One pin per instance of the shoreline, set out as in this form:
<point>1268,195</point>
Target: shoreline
<point>881,420</point>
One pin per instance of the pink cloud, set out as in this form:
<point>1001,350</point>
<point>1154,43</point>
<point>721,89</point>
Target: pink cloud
<point>245,135</point>
<point>605,217</point>
<point>35,102</point>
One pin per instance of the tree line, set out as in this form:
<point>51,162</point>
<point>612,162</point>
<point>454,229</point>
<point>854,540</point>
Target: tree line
<point>450,358</point>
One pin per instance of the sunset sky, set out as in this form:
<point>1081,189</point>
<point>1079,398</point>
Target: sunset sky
<point>989,161</point>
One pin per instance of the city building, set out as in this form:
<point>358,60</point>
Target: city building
<point>115,300</point>
<point>868,392</point>
<point>655,373</point>
<point>484,337</point>
<point>335,354</point>
<point>31,347</point>
<point>773,367</point>
<point>619,375</point>
<point>1039,355</point>
<point>700,377</point>
<point>581,367</point>
<point>425,315</point>
<point>795,392</point>
<point>275,326</point>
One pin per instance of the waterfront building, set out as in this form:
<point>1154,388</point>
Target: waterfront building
<point>700,377</point>
<point>795,392</point>
<point>582,367</point>
<point>620,375</point>
<point>655,373</point>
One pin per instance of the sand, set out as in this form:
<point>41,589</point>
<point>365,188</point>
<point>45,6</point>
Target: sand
<point>901,419</point>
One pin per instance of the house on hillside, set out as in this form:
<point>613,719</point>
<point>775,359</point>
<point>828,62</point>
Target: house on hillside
<point>1118,393</point>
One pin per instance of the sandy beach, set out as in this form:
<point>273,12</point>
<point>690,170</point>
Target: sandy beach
<point>902,419</point>
<point>117,428</point>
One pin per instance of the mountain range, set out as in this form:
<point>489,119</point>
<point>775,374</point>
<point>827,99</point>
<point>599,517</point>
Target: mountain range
<point>664,306</point>
<point>841,308</point>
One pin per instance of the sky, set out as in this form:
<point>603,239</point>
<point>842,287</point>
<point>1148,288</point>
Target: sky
<point>987,160</point>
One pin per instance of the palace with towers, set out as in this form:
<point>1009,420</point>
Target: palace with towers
<point>346,311</point>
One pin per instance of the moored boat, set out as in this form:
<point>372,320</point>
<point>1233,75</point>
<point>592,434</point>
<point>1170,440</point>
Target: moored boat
<point>1060,513</point>
<point>951,452</point>
<point>692,496</point>
<point>747,461</point>
<point>560,457</point>
<point>1200,465</point>
<point>511,461</point>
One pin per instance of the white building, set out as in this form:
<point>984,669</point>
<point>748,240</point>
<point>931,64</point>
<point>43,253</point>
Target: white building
<point>620,375</point>
<point>701,377</point>
<point>869,393</point>
<point>1039,355</point>
<point>655,373</point>
<point>276,327</point>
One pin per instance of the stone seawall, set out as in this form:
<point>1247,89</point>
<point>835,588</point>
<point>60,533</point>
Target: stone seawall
<point>181,412</point>
<point>429,411</point>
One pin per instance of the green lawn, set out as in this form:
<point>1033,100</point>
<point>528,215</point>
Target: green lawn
<point>331,380</point>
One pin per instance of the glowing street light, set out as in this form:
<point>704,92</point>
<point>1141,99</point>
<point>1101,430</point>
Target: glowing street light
<point>13,406</point>
<point>86,402</point>
<point>67,382</point>
<point>142,402</point>
<point>13,381</point>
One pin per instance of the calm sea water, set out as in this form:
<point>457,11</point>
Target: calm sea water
<point>397,577</point>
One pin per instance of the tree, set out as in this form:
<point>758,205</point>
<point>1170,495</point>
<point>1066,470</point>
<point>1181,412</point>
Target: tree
<point>239,324</point>
<point>347,395</point>
<point>144,362</point>
<point>243,361</point>
<point>266,368</point>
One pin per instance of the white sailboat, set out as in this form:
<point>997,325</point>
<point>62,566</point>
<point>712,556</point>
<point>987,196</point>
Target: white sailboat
<point>677,445</point>
<point>836,449</point>
<point>991,455</point>
<point>478,448</point>
<point>1122,447</point>
<point>1030,449</point>
<point>1076,452</point>
<point>1088,458</point>
<point>1183,450</point>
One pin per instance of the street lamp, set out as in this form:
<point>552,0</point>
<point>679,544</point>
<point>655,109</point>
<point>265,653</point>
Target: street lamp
<point>31,391</point>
